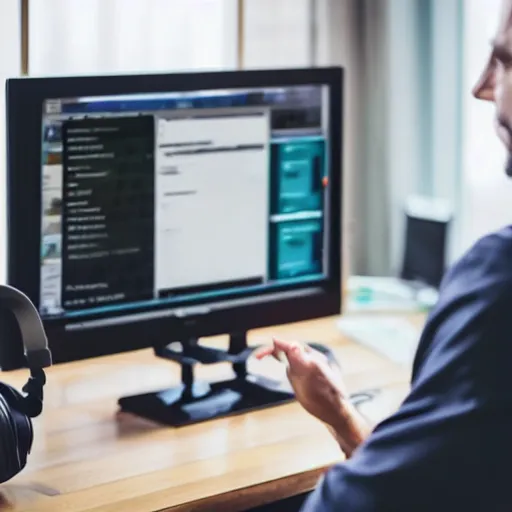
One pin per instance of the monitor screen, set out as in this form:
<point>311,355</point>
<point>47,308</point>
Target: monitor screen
<point>157,202</point>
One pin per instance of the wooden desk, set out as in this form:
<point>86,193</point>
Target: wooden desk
<point>88,457</point>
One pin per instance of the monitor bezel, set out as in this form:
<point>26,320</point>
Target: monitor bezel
<point>24,105</point>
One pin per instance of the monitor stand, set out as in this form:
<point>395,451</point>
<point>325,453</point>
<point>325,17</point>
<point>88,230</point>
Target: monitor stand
<point>195,401</point>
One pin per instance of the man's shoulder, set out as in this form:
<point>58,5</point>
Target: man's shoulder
<point>476,292</point>
<point>486,265</point>
<point>466,328</point>
<point>499,241</point>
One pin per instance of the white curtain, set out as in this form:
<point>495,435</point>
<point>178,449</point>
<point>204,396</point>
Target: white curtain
<point>103,36</point>
<point>382,143</point>
<point>402,116</point>
<point>9,67</point>
<point>487,191</point>
<point>111,36</point>
<point>277,33</point>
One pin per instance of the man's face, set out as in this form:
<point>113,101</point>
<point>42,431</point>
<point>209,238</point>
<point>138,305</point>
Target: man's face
<point>495,83</point>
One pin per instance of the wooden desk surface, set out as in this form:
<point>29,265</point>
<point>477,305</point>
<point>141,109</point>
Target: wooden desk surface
<point>89,457</point>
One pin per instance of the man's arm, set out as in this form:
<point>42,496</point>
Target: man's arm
<point>449,446</point>
<point>351,429</point>
<point>423,460</point>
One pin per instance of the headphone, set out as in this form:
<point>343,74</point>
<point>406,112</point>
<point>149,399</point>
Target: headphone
<point>17,409</point>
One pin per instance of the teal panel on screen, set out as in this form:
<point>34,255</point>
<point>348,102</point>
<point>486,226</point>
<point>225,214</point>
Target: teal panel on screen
<point>299,167</point>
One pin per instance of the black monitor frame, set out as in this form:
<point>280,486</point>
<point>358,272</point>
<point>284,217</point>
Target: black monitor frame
<point>25,97</point>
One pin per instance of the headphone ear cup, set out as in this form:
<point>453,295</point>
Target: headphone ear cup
<point>16,434</point>
<point>9,462</point>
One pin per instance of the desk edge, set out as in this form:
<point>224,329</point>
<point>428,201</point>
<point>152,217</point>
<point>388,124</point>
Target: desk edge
<point>239,500</point>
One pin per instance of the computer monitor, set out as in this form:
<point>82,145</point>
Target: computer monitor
<point>148,209</point>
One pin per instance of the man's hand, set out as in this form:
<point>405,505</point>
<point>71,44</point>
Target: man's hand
<point>320,390</point>
<point>318,387</point>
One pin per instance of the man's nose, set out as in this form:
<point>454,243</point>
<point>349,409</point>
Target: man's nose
<point>484,88</point>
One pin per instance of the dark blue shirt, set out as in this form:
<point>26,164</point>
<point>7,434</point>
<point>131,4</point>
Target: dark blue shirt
<point>449,446</point>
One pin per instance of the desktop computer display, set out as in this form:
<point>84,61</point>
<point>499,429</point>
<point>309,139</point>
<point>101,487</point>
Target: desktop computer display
<point>174,206</point>
<point>154,201</point>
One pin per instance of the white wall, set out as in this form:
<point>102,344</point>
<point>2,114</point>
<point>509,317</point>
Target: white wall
<point>9,67</point>
<point>487,191</point>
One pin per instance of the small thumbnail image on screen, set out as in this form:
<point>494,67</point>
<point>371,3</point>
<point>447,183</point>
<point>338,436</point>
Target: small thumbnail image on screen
<point>52,177</point>
<point>52,247</point>
<point>54,207</point>
<point>51,273</point>
<point>296,249</point>
<point>298,176</point>
<point>53,133</point>
<point>52,190</point>
<point>52,225</point>
<point>52,156</point>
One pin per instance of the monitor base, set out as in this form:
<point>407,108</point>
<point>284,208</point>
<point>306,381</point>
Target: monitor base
<point>177,407</point>
<point>195,401</point>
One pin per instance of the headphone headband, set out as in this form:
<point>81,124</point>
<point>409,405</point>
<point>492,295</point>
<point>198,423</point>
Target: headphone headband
<point>31,327</point>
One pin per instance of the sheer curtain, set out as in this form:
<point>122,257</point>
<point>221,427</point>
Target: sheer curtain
<point>487,191</point>
<point>278,33</point>
<point>378,43</point>
<point>111,36</point>
<point>103,36</point>
<point>9,67</point>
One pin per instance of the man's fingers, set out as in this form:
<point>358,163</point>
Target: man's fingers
<point>286,346</point>
<point>270,351</point>
<point>299,360</point>
<point>264,352</point>
<point>297,355</point>
<point>286,351</point>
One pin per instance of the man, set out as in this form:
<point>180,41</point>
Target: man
<point>449,446</point>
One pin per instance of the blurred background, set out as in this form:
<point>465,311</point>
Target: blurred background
<point>410,124</point>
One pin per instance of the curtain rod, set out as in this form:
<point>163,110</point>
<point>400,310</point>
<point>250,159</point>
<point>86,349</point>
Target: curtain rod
<point>240,33</point>
<point>24,38</point>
